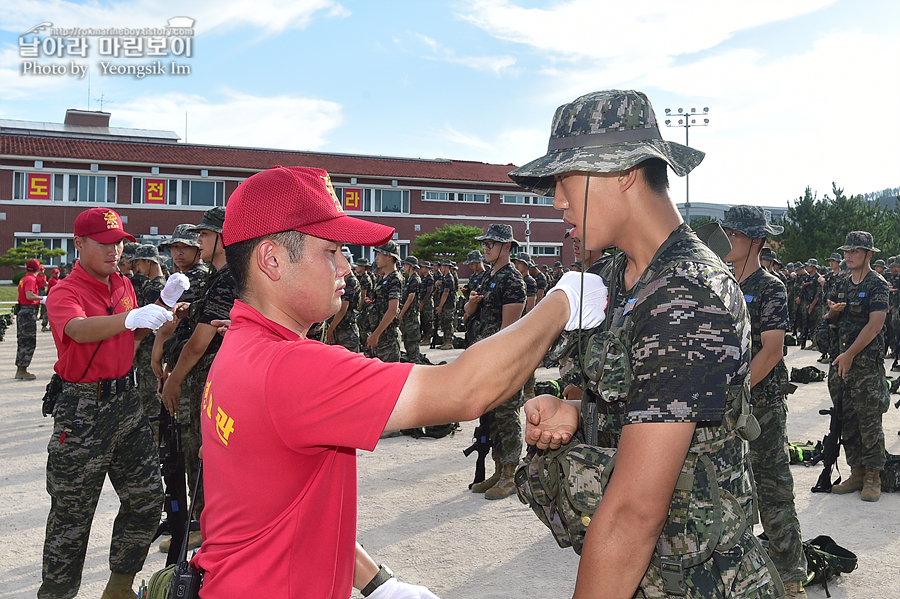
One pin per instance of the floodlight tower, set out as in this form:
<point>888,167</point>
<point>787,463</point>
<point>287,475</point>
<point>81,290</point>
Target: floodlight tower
<point>687,120</point>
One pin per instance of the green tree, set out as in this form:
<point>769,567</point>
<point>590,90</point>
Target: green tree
<point>702,220</point>
<point>450,241</point>
<point>18,256</point>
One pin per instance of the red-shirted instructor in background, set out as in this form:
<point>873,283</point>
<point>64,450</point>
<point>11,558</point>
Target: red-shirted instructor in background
<point>26,319</point>
<point>99,428</point>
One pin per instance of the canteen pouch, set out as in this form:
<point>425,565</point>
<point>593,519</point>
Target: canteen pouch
<point>608,364</point>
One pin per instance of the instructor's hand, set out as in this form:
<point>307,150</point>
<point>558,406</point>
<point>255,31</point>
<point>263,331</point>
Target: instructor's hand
<point>593,305</point>
<point>177,284</point>
<point>150,317</point>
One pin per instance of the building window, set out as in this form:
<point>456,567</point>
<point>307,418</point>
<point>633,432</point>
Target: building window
<point>451,196</point>
<point>545,250</point>
<point>543,201</point>
<point>513,199</point>
<point>386,200</point>
<point>59,187</point>
<point>540,201</point>
<point>436,196</point>
<point>472,197</point>
<point>184,192</point>
<point>54,243</point>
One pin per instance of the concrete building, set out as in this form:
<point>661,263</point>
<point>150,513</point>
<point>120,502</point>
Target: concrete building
<point>50,172</point>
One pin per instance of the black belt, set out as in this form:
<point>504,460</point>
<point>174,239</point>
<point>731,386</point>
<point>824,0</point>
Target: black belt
<point>107,388</point>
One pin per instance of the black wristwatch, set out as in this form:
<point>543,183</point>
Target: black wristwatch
<point>384,574</point>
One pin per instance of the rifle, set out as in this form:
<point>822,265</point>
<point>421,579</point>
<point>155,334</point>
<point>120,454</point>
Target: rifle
<point>171,457</point>
<point>831,447</point>
<point>481,444</point>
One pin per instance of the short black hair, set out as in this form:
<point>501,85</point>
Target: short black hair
<point>655,172</point>
<point>238,255</point>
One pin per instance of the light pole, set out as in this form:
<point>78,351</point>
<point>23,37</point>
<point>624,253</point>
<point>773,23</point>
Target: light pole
<point>527,218</point>
<point>687,120</point>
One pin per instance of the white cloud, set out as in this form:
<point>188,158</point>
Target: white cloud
<point>273,16</point>
<point>286,122</point>
<point>488,64</point>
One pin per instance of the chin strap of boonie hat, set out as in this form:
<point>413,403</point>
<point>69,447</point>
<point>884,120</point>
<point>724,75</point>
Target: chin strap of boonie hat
<point>587,185</point>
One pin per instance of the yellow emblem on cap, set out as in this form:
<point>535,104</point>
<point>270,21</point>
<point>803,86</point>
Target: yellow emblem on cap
<point>111,221</point>
<point>330,188</point>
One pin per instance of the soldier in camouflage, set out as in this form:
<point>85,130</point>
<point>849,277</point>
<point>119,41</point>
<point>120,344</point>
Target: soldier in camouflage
<point>809,301</point>
<point>426,301</point>
<point>29,301</point>
<point>475,260</point>
<point>410,326</point>
<point>766,299</point>
<point>384,340</point>
<point>540,280</point>
<point>523,264</point>
<point>146,262</point>
<point>689,376</point>
<point>498,302</point>
<point>343,328</point>
<point>366,285</point>
<point>858,306</point>
<point>446,307</point>
<point>894,313</point>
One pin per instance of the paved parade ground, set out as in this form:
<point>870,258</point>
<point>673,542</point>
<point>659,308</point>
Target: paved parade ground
<point>416,514</point>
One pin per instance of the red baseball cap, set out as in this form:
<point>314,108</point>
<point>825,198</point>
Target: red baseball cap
<point>295,199</point>
<point>103,225</point>
<point>32,265</point>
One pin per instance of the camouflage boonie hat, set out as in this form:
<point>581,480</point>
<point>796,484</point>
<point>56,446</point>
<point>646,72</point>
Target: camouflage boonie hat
<point>767,254</point>
<point>447,262</point>
<point>835,256</point>
<point>557,264</point>
<point>500,233</point>
<point>411,260</point>
<point>879,263</point>
<point>213,220</point>
<point>147,251</point>
<point>544,267</point>
<point>129,248</point>
<point>859,240</point>
<point>576,265</point>
<point>603,132</point>
<point>751,221</point>
<point>425,264</point>
<point>473,257</point>
<point>182,234</point>
<point>389,249</point>
<point>524,257</point>
<point>812,262</point>
<point>362,262</point>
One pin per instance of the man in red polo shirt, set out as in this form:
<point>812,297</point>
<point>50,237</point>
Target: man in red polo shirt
<point>26,319</point>
<point>280,458</point>
<point>99,428</point>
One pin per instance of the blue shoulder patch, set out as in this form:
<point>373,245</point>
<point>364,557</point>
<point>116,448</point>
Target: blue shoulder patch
<point>748,298</point>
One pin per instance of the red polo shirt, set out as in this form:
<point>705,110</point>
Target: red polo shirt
<point>41,280</point>
<point>28,283</point>
<point>81,295</point>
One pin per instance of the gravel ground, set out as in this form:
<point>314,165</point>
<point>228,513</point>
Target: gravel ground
<point>416,513</point>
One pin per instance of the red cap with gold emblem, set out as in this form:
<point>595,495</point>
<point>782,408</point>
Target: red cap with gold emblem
<point>102,225</point>
<point>295,199</point>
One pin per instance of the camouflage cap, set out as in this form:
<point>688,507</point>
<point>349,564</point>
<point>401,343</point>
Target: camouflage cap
<point>751,221</point>
<point>812,262</point>
<point>501,233</point>
<point>557,264</point>
<point>473,257</point>
<point>603,132</point>
<point>411,260</point>
<point>768,254</point>
<point>389,249</point>
<point>835,256</point>
<point>425,264</point>
<point>213,220</point>
<point>447,262</point>
<point>362,262</point>
<point>523,257</point>
<point>182,234</point>
<point>129,248</point>
<point>859,240</point>
<point>147,251</point>
<point>544,267</point>
<point>879,263</point>
<point>577,265</point>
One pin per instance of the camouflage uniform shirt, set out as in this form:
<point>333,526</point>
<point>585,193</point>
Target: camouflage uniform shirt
<point>352,293</point>
<point>500,288</point>
<point>766,299</point>
<point>870,295</point>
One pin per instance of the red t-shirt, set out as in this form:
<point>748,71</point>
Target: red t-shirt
<point>282,417</point>
<point>41,280</point>
<point>81,295</point>
<point>51,282</point>
<point>28,283</point>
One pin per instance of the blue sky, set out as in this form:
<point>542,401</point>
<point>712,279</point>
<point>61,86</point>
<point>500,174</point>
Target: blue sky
<point>801,92</point>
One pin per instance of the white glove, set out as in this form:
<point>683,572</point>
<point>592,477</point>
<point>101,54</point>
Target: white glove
<point>44,300</point>
<point>394,589</point>
<point>175,286</point>
<point>595,299</point>
<point>150,317</point>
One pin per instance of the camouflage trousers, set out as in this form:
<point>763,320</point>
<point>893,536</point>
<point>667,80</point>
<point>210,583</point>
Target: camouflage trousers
<point>506,430</point>
<point>191,439</point>
<point>45,318</point>
<point>865,397</point>
<point>348,337</point>
<point>388,348</point>
<point>148,384</point>
<point>412,333</point>
<point>26,335</point>
<point>806,322</point>
<point>94,438</point>
<point>447,319</point>
<point>427,318</point>
<point>775,490</point>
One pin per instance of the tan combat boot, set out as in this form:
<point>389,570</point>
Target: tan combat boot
<point>488,482</point>
<point>195,539</point>
<point>447,345</point>
<point>871,490</point>
<point>506,486</point>
<point>23,374</point>
<point>119,587</point>
<point>854,483</point>
<point>794,590</point>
